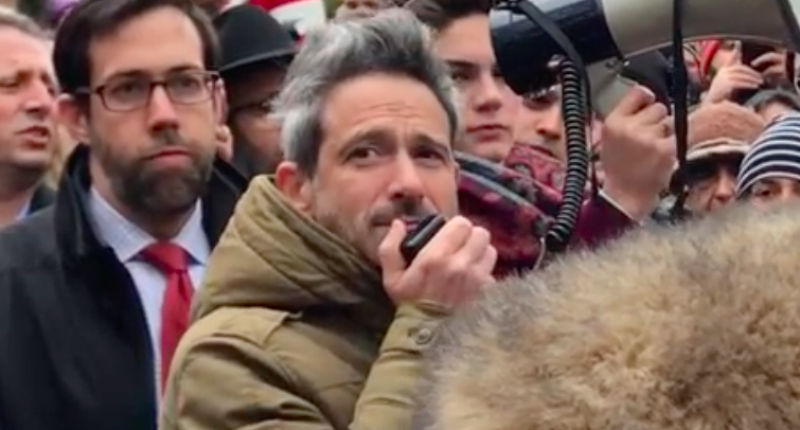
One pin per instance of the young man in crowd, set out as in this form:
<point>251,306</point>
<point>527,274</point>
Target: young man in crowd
<point>539,122</point>
<point>27,126</point>
<point>256,50</point>
<point>95,291</point>
<point>310,317</point>
<point>637,154</point>
<point>770,171</point>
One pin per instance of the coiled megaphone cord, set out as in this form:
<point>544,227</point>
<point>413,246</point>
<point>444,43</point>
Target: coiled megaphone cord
<point>575,117</point>
<point>575,107</point>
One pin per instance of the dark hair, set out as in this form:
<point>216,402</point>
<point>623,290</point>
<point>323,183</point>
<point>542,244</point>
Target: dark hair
<point>439,14</point>
<point>92,19</point>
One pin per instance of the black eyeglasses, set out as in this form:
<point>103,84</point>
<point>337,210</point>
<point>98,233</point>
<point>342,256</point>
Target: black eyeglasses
<point>263,107</point>
<point>699,172</point>
<point>128,93</point>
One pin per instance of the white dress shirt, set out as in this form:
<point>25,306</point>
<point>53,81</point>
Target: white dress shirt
<point>24,212</point>
<point>128,240</point>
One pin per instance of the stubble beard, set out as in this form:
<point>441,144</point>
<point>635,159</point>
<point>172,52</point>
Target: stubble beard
<point>330,217</point>
<point>360,231</point>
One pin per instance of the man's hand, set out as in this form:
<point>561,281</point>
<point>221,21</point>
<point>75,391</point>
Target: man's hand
<point>638,152</point>
<point>772,66</point>
<point>731,78</point>
<point>448,271</point>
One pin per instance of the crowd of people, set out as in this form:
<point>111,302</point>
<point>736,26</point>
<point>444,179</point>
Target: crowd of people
<point>203,204</point>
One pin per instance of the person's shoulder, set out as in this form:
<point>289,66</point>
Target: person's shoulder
<point>28,243</point>
<point>240,358</point>
<point>275,340</point>
<point>255,325</point>
<point>274,332</point>
<point>29,264</point>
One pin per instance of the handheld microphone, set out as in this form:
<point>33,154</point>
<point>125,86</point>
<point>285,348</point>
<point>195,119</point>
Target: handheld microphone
<point>417,238</point>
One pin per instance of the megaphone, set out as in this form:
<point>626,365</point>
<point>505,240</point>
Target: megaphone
<point>605,32</point>
<point>593,38</point>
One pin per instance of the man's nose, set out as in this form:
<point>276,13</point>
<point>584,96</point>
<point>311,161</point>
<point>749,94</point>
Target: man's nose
<point>161,111</point>
<point>788,194</point>
<point>406,182</point>
<point>39,100</point>
<point>726,188</point>
<point>489,93</point>
<point>549,124</point>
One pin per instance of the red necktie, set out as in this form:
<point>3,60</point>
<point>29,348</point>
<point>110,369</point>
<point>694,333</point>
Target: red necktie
<point>171,260</point>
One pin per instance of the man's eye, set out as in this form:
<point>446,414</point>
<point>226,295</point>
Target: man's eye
<point>186,82</point>
<point>363,153</point>
<point>9,83</point>
<point>126,88</point>
<point>458,76</point>
<point>262,110</point>
<point>541,98</point>
<point>430,155</point>
<point>762,191</point>
<point>461,74</point>
<point>265,107</point>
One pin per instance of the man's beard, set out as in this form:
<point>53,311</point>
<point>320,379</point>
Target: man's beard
<point>248,159</point>
<point>362,232</point>
<point>151,192</point>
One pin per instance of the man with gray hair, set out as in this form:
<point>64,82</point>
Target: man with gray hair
<point>27,127</point>
<point>310,318</point>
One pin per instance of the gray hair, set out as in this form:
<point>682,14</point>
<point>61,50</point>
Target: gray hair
<point>392,42</point>
<point>10,18</point>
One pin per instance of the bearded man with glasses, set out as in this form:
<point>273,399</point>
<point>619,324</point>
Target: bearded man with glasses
<point>95,292</point>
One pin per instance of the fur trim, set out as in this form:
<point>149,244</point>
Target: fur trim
<point>694,327</point>
<point>723,120</point>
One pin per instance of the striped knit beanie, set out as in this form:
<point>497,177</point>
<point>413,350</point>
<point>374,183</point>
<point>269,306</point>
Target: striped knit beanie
<point>775,153</point>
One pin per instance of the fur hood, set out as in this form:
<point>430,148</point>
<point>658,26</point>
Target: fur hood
<point>694,327</point>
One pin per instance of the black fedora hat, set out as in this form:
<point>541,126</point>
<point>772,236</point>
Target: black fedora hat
<point>250,35</point>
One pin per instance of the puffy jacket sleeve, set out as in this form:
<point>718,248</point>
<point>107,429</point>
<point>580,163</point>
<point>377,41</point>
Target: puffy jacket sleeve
<point>231,382</point>
<point>387,401</point>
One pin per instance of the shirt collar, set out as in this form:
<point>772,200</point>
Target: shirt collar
<point>25,211</point>
<point>128,240</point>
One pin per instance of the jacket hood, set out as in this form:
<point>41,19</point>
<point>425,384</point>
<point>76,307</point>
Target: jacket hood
<point>692,327</point>
<point>272,256</point>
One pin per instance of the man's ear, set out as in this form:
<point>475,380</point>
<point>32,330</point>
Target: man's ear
<point>73,118</point>
<point>224,142</point>
<point>220,102</point>
<point>596,133</point>
<point>295,186</point>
